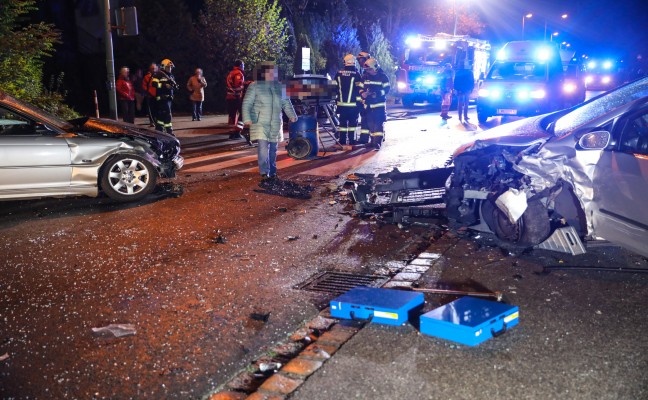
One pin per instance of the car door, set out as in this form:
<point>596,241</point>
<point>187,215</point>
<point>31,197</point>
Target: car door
<point>33,159</point>
<point>621,185</point>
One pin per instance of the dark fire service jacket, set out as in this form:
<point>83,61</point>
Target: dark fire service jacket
<point>348,82</point>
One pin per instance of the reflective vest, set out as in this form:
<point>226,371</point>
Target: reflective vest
<point>348,82</point>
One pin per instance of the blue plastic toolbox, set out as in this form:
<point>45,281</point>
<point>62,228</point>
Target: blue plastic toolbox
<point>469,320</point>
<point>383,306</point>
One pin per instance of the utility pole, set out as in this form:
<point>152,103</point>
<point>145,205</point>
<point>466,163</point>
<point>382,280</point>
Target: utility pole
<point>110,62</point>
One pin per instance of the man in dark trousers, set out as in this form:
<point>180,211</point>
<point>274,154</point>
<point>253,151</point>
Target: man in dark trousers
<point>446,87</point>
<point>464,83</point>
<point>373,91</point>
<point>235,84</point>
<point>165,86</point>
<point>362,57</point>
<point>348,81</point>
<point>150,93</point>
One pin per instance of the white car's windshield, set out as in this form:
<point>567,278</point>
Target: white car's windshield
<point>34,112</point>
<point>601,105</point>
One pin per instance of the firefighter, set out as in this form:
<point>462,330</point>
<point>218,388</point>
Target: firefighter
<point>374,93</point>
<point>165,85</point>
<point>362,57</point>
<point>348,81</point>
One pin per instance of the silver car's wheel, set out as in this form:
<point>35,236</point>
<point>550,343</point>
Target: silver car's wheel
<point>127,177</point>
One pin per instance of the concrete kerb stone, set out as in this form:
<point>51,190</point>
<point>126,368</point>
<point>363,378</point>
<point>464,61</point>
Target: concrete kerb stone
<point>325,334</point>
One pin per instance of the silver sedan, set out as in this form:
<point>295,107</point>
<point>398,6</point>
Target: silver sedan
<point>44,156</point>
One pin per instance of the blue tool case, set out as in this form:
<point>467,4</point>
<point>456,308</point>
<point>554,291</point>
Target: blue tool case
<point>469,320</point>
<point>383,306</point>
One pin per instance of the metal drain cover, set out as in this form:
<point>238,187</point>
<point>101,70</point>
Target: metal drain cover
<point>340,282</point>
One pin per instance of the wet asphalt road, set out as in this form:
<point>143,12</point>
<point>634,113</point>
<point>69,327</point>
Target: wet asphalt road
<point>207,279</point>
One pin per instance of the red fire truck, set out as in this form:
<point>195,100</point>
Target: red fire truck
<point>417,77</point>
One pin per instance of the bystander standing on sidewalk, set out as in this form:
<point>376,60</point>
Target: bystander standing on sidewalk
<point>126,95</point>
<point>149,93</point>
<point>196,85</point>
<point>235,83</point>
<point>262,106</point>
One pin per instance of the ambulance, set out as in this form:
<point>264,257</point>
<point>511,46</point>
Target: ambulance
<point>525,79</point>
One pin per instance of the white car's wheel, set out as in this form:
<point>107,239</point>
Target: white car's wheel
<point>127,177</point>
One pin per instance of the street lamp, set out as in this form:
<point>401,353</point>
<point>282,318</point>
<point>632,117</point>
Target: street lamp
<point>529,15</point>
<point>564,16</point>
<point>454,11</point>
<point>552,36</point>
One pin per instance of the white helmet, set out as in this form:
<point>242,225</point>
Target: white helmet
<point>371,63</point>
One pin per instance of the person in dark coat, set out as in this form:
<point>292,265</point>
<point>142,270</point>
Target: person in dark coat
<point>464,84</point>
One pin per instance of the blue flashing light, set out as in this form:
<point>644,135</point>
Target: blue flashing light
<point>429,80</point>
<point>607,64</point>
<point>522,94</point>
<point>501,55</point>
<point>591,65</point>
<point>413,42</point>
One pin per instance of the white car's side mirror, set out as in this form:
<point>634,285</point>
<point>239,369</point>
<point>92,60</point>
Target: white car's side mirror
<point>594,140</point>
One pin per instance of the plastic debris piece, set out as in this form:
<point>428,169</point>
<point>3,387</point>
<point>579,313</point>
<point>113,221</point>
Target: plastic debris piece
<point>115,330</point>
<point>332,202</point>
<point>291,238</point>
<point>273,366</point>
<point>4,356</point>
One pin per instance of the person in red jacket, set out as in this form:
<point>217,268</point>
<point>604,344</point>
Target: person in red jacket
<point>235,83</point>
<point>150,93</point>
<point>126,95</point>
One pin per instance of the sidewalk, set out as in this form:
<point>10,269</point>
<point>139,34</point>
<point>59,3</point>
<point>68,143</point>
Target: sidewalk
<point>188,131</point>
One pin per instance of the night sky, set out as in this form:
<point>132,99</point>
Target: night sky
<point>595,27</point>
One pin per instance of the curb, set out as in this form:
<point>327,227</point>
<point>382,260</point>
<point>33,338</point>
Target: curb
<point>308,348</point>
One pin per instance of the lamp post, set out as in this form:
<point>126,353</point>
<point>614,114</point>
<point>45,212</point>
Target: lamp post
<point>454,11</point>
<point>529,15</point>
<point>564,16</point>
<point>552,36</point>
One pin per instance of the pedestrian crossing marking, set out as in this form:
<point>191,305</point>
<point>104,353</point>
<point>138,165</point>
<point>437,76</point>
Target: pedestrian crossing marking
<point>221,165</point>
<point>195,160</point>
<point>358,158</point>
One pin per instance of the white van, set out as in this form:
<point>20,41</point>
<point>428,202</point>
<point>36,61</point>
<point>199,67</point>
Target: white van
<point>526,79</point>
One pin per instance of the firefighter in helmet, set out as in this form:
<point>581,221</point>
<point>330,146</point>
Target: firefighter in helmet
<point>165,85</point>
<point>374,93</point>
<point>362,57</point>
<point>348,81</point>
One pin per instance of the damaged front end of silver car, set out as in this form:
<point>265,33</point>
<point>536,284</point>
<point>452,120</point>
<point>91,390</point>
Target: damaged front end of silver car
<point>536,196</point>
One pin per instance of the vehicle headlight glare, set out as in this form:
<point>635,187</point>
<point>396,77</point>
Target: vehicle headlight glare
<point>483,93</point>
<point>606,80</point>
<point>401,85</point>
<point>538,94</point>
<point>569,87</point>
<point>428,80</point>
<point>522,94</point>
<point>589,79</point>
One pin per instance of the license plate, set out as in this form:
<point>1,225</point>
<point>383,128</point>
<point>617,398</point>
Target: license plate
<point>507,111</point>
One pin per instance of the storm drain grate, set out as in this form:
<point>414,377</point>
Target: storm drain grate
<point>340,282</point>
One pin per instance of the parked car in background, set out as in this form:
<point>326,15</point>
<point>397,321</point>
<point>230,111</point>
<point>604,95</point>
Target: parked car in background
<point>44,156</point>
<point>583,170</point>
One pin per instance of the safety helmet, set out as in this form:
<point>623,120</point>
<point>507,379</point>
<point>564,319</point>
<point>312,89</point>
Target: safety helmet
<point>349,59</point>
<point>371,63</point>
<point>166,62</point>
<point>363,54</point>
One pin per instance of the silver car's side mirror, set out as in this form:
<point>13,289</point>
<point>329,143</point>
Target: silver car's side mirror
<point>594,140</point>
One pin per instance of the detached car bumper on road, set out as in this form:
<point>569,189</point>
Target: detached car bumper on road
<point>44,156</point>
<point>585,168</point>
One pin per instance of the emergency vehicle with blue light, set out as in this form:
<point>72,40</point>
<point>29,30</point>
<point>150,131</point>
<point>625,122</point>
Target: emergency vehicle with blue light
<point>418,74</point>
<point>526,79</point>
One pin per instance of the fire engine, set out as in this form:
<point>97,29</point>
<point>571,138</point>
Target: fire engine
<point>417,77</point>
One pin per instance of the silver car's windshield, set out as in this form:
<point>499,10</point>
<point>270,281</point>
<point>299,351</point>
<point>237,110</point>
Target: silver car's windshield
<point>601,105</point>
<point>37,113</point>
